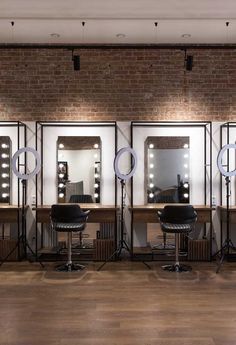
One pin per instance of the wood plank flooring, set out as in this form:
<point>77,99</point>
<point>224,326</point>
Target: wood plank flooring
<point>124,304</point>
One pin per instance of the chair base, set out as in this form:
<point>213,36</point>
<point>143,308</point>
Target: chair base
<point>177,268</point>
<point>70,267</point>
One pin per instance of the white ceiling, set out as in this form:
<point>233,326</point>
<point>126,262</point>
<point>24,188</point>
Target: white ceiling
<point>35,22</point>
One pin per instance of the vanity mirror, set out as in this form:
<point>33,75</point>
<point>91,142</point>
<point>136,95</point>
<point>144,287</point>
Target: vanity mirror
<point>79,169</point>
<point>167,169</point>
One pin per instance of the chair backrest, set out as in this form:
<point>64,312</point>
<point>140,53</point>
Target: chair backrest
<point>68,214</point>
<point>178,214</point>
<point>81,198</point>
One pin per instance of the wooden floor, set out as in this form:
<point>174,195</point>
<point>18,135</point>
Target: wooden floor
<point>124,304</point>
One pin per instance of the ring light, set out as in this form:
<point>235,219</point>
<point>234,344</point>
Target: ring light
<point>36,169</point>
<point>219,160</point>
<point>121,176</point>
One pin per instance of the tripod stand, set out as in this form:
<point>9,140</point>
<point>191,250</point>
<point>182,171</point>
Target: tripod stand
<point>22,239</point>
<point>122,242</point>
<point>228,244</point>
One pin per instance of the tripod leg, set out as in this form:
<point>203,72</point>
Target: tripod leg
<point>109,259</point>
<point>221,262</point>
<point>9,254</point>
<point>32,252</point>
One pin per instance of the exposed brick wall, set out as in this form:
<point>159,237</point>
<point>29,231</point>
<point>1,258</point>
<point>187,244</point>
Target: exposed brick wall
<point>118,84</point>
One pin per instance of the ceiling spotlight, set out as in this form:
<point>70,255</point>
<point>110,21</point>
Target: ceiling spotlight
<point>120,35</point>
<point>54,35</point>
<point>188,61</point>
<point>186,35</point>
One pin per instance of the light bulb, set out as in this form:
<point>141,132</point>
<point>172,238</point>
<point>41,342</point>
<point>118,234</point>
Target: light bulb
<point>95,195</point>
<point>95,155</point>
<point>4,195</point>
<point>4,146</point>
<point>61,195</point>
<point>151,175</point>
<point>4,175</point>
<point>95,165</point>
<point>61,175</point>
<point>185,185</point>
<point>185,195</point>
<point>151,155</point>
<point>185,146</point>
<point>61,165</point>
<point>96,146</point>
<point>151,195</point>
<point>185,166</point>
<point>4,155</point>
<point>151,166</point>
<point>95,185</point>
<point>151,146</point>
<point>5,165</point>
<point>61,185</point>
<point>185,155</point>
<point>5,185</point>
<point>61,146</point>
<point>96,175</point>
<point>151,185</point>
<point>185,175</point>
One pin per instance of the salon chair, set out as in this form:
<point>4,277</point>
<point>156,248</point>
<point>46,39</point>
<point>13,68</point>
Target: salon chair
<point>177,220</point>
<point>81,198</point>
<point>68,218</point>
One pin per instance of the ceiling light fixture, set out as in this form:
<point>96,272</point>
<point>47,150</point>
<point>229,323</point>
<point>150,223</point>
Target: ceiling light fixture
<point>186,36</point>
<point>54,35</point>
<point>188,61</point>
<point>120,35</point>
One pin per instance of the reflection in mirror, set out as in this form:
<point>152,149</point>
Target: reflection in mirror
<point>79,169</point>
<point>5,169</point>
<point>167,172</point>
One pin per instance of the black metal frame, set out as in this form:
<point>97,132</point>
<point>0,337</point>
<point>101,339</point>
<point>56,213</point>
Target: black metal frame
<point>225,247</point>
<point>207,127</point>
<point>21,230</point>
<point>39,126</point>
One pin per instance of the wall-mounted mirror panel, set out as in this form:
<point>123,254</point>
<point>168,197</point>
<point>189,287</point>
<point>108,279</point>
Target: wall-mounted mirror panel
<point>167,169</point>
<point>79,169</point>
<point>5,170</point>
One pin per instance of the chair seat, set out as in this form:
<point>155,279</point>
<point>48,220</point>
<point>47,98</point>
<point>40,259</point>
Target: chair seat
<point>176,228</point>
<point>67,227</point>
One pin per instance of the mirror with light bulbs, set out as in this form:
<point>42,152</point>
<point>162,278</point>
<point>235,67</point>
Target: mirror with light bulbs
<point>167,169</point>
<point>5,170</point>
<point>79,169</point>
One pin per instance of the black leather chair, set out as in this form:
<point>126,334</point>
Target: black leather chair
<point>81,198</point>
<point>177,219</point>
<point>68,218</point>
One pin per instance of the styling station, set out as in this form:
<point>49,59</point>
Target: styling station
<point>117,172</point>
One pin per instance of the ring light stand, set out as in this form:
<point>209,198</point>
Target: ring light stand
<point>24,177</point>
<point>228,244</point>
<point>123,178</point>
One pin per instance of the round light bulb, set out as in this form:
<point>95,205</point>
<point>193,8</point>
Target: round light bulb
<point>95,195</point>
<point>96,175</point>
<point>61,195</point>
<point>151,175</point>
<point>185,166</point>
<point>5,185</point>
<point>185,185</point>
<point>4,175</point>
<point>185,175</point>
<point>151,195</point>
<point>96,165</point>
<point>61,146</point>
<point>5,165</point>
<point>151,146</point>
<point>151,166</point>
<point>151,185</point>
<point>4,195</point>
<point>61,165</point>
<point>61,175</point>
<point>185,195</point>
<point>4,155</point>
<point>96,146</point>
<point>95,185</point>
<point>4,146</point>
<point>61,185</point>
<point>151,155</point>
<point>185,146</point>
